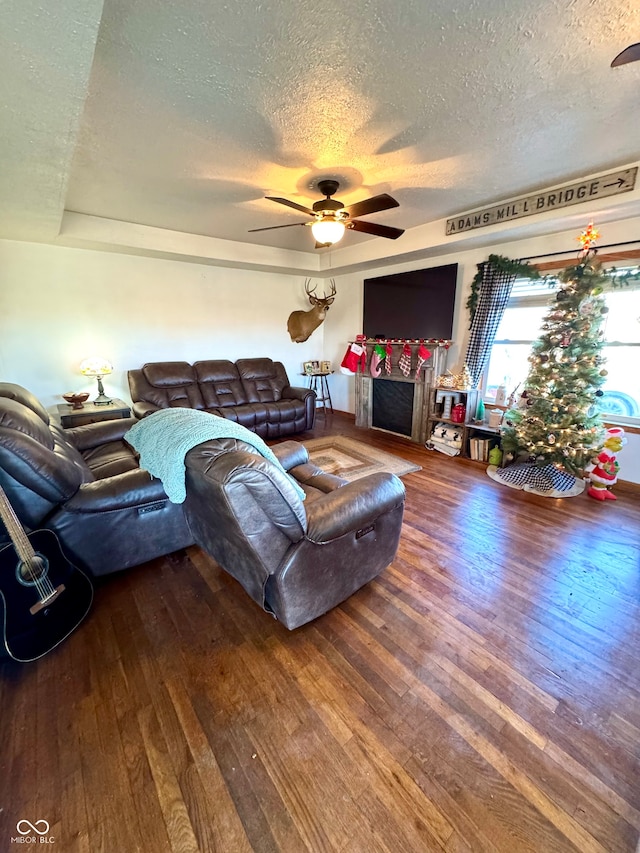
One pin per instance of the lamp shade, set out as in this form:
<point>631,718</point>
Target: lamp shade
<point>96,366</point>
<point>327,231</point>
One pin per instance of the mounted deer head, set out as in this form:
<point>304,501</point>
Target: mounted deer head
<point>302,324</point>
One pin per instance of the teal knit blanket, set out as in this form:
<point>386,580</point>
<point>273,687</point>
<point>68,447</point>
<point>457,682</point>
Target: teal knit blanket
<point>164,438</point>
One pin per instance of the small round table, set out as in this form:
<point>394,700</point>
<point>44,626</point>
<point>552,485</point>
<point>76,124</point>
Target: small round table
<point>318,383</point>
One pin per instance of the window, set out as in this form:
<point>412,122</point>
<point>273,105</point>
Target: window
<point>520,327</point>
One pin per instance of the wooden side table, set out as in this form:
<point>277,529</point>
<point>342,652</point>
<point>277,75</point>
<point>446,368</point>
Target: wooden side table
<point>318,383</point>
<point>91,414</point>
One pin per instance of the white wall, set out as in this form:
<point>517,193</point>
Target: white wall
<point>59,305</point>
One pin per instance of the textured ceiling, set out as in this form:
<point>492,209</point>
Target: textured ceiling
<point>185,115</point>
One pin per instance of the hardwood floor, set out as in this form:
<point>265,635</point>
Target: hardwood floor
<point>481,695</point>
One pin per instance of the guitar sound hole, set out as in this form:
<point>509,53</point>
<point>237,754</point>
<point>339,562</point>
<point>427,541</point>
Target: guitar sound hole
<point>30,573</point>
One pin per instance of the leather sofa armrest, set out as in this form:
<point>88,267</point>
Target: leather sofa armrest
<point>353,506</point>
<point>130,489</point>
<point>290,453</point>
<point>93,435</point>
<point>141,410</point>
<point>292,392</point>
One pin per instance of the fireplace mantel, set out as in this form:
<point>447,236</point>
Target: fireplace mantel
<point>430,370</point>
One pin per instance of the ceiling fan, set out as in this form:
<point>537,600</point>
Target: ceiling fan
<point>629,54</point>
<point>331,217</point>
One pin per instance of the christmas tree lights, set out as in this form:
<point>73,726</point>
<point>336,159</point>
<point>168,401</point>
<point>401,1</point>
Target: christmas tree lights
<point>557,420</point>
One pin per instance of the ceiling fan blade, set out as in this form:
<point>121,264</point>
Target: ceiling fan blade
<point>292,204</point>
<point>273,227</point>
<point>629,54</point>
<point>375,229</point>
<point>372,205</point>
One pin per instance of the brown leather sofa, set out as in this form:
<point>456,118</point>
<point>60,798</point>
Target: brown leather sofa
<point>296,559</point>
<point>85,485</point>
<point>254,392</point>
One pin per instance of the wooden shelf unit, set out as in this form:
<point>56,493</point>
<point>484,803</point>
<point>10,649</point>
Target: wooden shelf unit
<point>468,428</point>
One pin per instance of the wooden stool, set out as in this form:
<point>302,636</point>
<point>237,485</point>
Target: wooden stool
<point>318,383</point>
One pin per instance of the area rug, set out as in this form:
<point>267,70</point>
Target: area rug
<point>351,459</point>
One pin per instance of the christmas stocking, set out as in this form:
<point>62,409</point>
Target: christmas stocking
<point>377,356</point>
<point>423,355</point>
<point>405,360</point>
<point>352,358</point>
<point>387,359</point>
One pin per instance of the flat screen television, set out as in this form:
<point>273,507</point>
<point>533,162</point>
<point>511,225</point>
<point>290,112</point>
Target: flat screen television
<point>410,305</point>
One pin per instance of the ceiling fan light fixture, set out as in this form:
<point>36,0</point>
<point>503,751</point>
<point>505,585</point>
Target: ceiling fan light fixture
<point>327,230</point>
<point>330,217</point>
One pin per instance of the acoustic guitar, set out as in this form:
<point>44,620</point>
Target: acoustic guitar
<point>43,597</point>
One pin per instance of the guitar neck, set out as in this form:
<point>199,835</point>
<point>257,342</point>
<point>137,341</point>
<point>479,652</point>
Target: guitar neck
<point>15,530</point>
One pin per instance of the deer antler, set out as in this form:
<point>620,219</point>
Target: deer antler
<point>306,287</point>
<point>333,288</point>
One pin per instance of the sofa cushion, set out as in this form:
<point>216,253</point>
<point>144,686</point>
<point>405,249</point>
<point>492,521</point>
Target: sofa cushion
<point>169,374</point>
<point>38,467</point>
<point>268,420</point>
<point>21,395</point>
<point>109,460</point>
<point>16,416</point>
<point>287,417</point>
<point>263,379</point>
<point>220,384</point>
<point>252,417</point>
<point>38,454</point>
<point>166,384</point>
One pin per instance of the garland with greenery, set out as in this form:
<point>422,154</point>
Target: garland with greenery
<point>521,269</point>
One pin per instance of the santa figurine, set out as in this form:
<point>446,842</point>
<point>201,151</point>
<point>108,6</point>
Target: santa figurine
<point>603,471</point>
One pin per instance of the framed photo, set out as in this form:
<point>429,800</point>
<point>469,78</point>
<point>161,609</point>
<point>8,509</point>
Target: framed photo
<point>325,367</point>
<point>308,368</point>
<point>316,366</point>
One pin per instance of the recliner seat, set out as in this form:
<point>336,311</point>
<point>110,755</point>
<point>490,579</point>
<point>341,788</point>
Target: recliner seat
<point>85,484</point>
<point>296,559</point>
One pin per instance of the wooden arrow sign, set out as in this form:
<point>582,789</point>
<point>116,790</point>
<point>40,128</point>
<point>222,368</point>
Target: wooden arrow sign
<point>589,189</point>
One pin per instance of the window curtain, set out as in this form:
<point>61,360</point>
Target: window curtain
<point>495,290</point>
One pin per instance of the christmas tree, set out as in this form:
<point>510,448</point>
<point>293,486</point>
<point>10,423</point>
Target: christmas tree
<point>557,419</point>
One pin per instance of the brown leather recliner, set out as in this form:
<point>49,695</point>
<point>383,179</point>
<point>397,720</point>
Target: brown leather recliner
<point>85,485</point>
<point>297,559</point>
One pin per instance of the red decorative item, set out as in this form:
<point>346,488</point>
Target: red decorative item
<point>387,360</point>
<point>423,355</point>
<point>458,413</point>
<point>603,471</point>
<point>588,237</point>
<point>405,360</point>
<point>354,358</point>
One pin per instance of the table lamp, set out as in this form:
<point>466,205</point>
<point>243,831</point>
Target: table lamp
<point>97,367</point>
